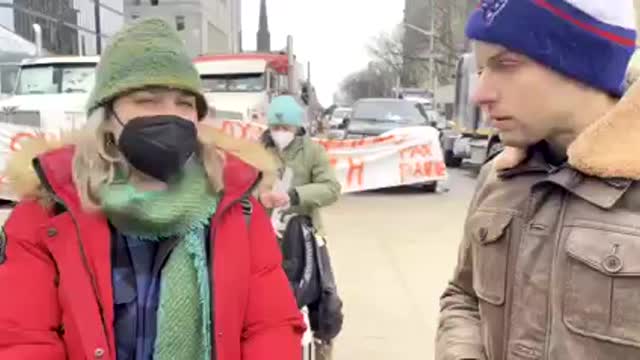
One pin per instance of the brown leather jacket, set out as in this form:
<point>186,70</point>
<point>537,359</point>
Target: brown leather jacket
<point>549,267</point>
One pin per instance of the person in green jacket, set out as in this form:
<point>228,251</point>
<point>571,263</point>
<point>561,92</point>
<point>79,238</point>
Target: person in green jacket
<point>313,183</point>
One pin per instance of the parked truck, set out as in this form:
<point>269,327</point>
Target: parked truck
<point>242,85</point>
<point>49,97</point>
<point>469,136</point>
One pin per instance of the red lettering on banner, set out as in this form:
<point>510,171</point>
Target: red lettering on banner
<point>383,139</point>
<point>323,143</point>
<point>415,151</point>
<point>244,130</point>
<point>333,161</point>
<point>331,144</point>
<point>441,169</point>
<point>355,143</point>
<point>227,127</point>
<point>356,169</point>
<point>241,130</point>
<point>18,138</point>
<point>422,169</point>
<point>328,144</point>
<point>358,143</point>
<point>426,169</point>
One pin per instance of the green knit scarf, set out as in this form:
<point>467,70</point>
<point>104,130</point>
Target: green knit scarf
<point>183,210</point>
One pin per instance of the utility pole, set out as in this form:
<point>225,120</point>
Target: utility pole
<point>432,45</point>
<point>432,48</point>
<point>96,4</point>
<point>293,77</point>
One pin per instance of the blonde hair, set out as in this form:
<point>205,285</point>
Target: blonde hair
<point>97,159</point>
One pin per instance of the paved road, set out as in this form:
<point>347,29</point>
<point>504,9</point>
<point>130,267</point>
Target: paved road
<point>394,251</point>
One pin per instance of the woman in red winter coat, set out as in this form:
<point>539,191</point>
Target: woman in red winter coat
<point>138,239</point>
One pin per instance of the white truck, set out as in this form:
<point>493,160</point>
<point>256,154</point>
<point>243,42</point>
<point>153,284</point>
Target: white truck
<point>242,85</point>
<point>49,97</point>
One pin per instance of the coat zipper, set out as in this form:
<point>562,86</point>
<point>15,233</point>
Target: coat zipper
<point>85,262</point>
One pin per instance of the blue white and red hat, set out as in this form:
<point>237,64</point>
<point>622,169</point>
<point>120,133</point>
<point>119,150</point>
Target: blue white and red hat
<point>588,40</point>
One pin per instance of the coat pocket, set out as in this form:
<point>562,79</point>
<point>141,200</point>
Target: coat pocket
<point>489,232</point>
<point>602,286</point>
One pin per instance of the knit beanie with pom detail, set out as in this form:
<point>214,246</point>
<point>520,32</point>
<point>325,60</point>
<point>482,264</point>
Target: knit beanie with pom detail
<point>590,41</point>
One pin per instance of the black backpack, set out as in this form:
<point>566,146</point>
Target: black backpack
<point>307,263</point>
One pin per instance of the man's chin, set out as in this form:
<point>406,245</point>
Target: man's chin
<point>515,140</point>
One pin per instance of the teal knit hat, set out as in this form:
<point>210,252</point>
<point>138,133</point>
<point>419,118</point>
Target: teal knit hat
<point>146,53</point>
<point>285,110</point>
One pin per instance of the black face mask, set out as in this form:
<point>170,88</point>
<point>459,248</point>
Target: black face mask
<point>158,146</point>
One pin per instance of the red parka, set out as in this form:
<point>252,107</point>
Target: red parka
<point>56,295</point>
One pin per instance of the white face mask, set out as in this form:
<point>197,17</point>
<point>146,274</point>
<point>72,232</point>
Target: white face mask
<point>282,138</point>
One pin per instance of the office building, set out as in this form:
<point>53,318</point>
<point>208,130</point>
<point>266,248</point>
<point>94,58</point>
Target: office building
<point>69,27</point>
<point>206,26</point>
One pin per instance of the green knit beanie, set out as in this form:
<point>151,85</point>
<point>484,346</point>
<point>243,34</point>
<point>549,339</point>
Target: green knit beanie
<point>147,53</point>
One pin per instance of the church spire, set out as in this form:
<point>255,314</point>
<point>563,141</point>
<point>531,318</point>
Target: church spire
<point>264,37</point>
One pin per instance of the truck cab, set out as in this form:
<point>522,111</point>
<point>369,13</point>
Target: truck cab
<point>243,84</point>
<point>52,88</point>
<point>49,97</point>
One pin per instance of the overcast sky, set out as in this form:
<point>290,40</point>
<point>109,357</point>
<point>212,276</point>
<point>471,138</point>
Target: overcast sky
<point>332,34</point>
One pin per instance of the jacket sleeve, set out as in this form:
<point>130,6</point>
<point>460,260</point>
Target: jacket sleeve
<point>458,336</point>
<point>274,326</point>
<point>29,309</point>
<point>324,188</point>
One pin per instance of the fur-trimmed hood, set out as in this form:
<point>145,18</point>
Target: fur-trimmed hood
<point>25,182</point>
<point>608,148</point>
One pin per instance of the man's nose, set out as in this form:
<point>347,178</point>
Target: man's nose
<point>484,93</point>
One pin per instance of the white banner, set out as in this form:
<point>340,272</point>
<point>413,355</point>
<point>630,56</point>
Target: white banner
<point>404,156</point>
